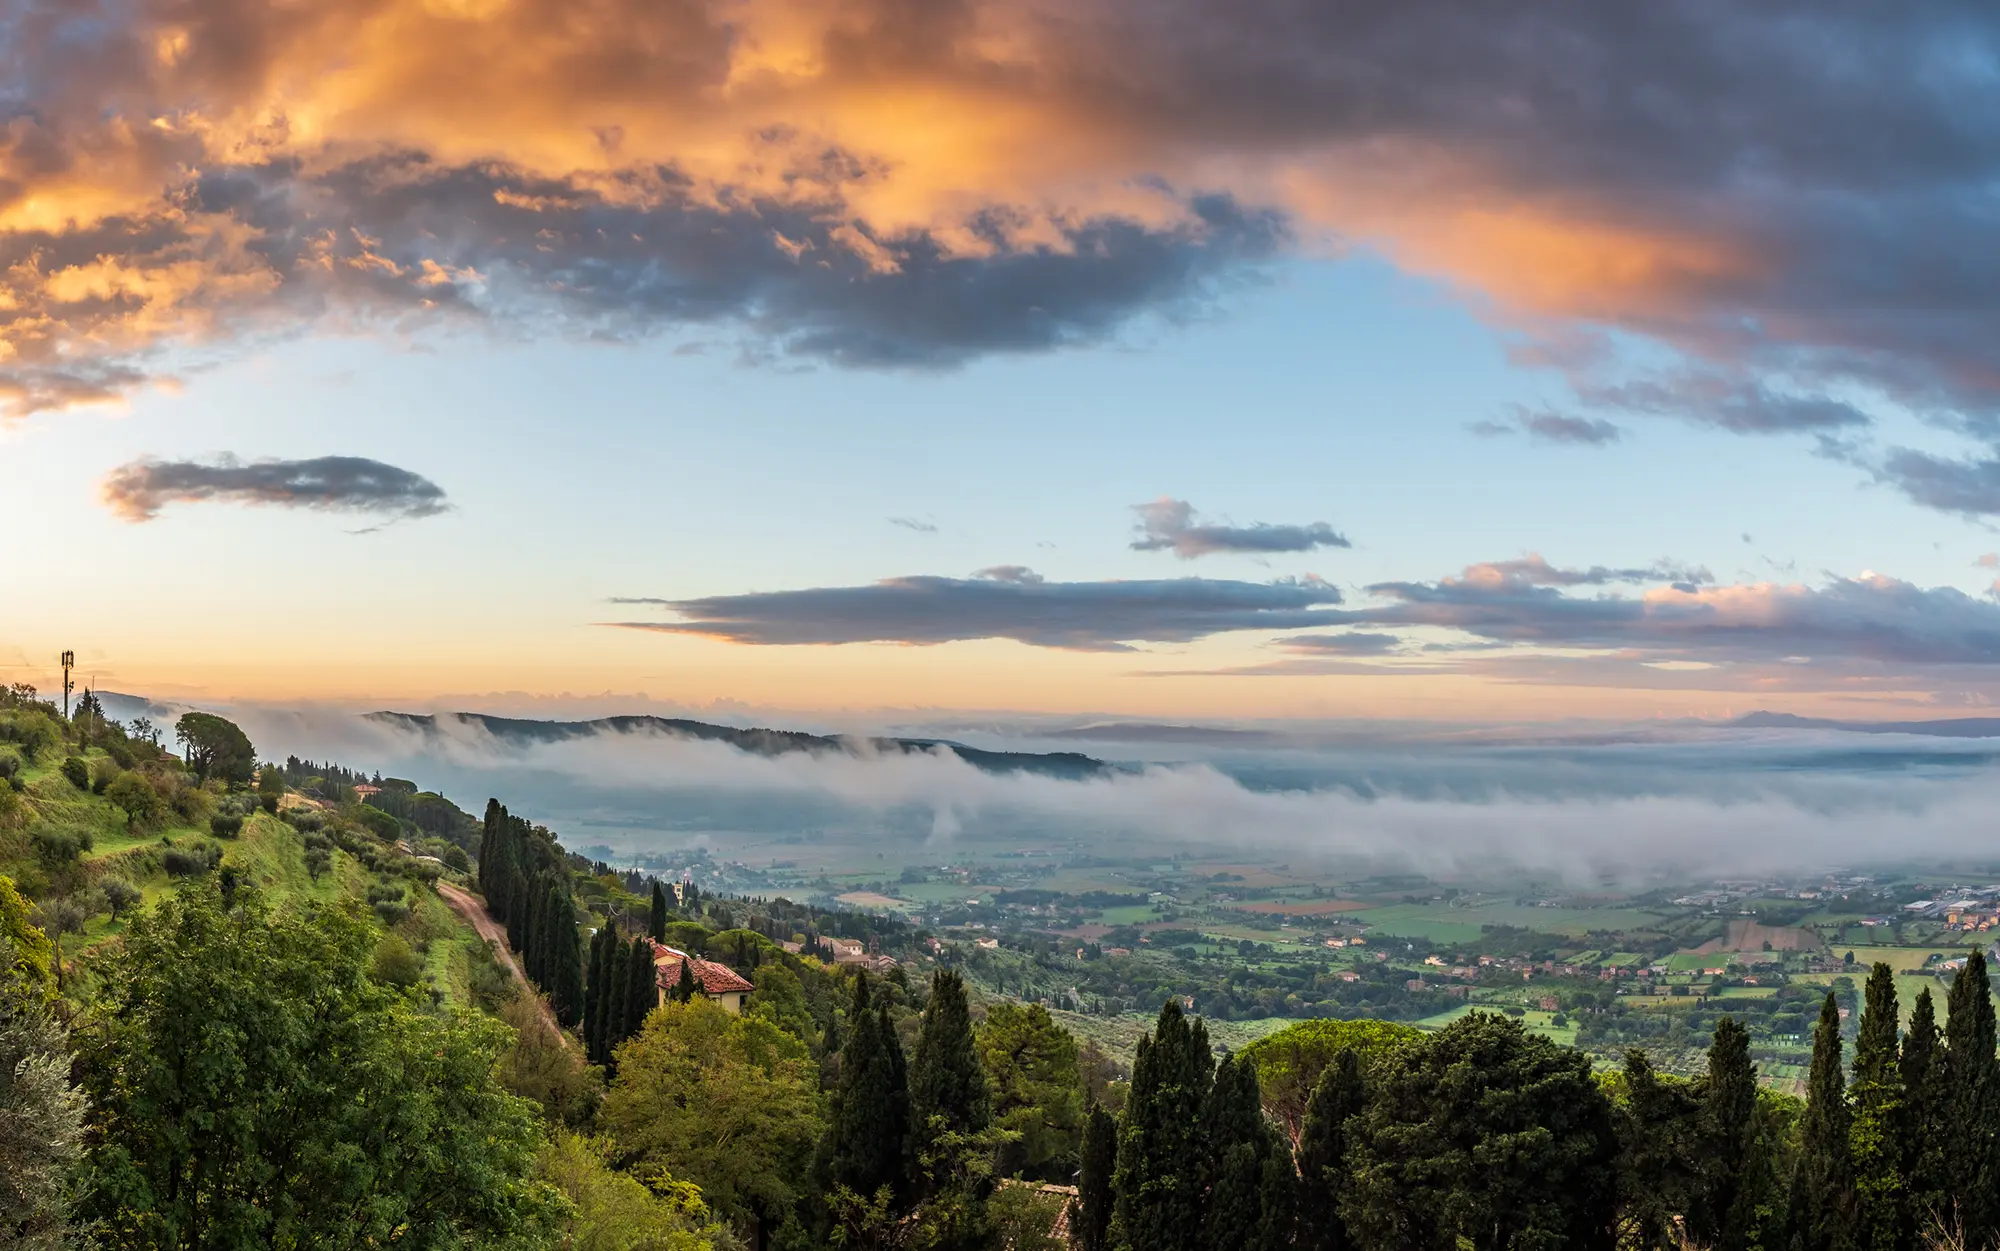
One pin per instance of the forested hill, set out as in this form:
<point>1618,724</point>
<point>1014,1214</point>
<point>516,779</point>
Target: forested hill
<point>763,742</point>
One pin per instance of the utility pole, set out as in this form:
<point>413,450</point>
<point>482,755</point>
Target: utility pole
<point>68,663</point>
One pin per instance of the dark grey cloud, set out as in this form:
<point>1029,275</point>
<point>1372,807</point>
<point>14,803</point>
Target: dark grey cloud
<point>1353,643</point>
<point>139,490</point>
<point>1534,570</point>
<point>1007,602</point>
<point>1971,486</point>
<point>914,524</point>
<point>1872,618</point>
<point>1549,426</point>
<point>1170,525</point>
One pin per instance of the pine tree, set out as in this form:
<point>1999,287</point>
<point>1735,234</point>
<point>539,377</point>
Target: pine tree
<point>1926,1112</point>
<point>1724,1213</point>
<point>1974,1102</point>
<point>1820,1186</point>
<point>656,918</point>
<point>948,1091</point>
<point>1874,1143</point>
<point>1090,1219</point>
<point>869,1130</point>
<point>1337,1095</point>
<point>1161,1145</point>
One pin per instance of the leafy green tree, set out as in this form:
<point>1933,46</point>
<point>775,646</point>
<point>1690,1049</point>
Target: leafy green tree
<point>1162,1147</point>
<point>1034,1072</point>
<point>215,748</point>
<point>396,963</point>
<point>136,796</point>
<point>727,1102</point>
<point>543,1065</point>
<point>252,1087</point>
<point>41,1113</point>
<point>948,1091</point>
<point>1821,1208</point>
<point>867,1141</point>
<point>1926,1113</point>
<point>614,1211</point>
<point>1874,1145</point>
<point>1484,1137</point>
<point>1090,1219</point>
<point>1974,1103</point>
<point>1337,1097</point>
<point>780,998</point>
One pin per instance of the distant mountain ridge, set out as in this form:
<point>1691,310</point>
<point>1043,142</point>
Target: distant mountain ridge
<point>763,742</point>
<point>1952,727</point>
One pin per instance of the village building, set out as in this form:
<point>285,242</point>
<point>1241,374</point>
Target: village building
<point>722,984</point>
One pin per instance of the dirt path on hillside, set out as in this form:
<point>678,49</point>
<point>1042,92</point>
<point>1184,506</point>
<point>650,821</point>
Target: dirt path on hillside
<point>494,933</point>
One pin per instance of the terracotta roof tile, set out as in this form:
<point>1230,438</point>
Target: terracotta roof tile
<point>713,978</point>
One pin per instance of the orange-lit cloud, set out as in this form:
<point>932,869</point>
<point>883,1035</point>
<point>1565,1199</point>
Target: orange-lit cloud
<point>916,182</point>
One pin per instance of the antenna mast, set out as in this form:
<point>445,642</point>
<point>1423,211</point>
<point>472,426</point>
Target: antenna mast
<point>68,663</point>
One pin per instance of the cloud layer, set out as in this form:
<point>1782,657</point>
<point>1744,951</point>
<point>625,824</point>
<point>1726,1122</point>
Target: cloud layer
<point>1786,205</point>
<point>1170,525</point>
<point>139,490</point>
<point>1005,602</point>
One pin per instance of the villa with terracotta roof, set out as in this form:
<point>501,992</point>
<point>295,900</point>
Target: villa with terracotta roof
<point>722,984</point>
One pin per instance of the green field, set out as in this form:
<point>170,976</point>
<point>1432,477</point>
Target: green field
<point>1443,923</point>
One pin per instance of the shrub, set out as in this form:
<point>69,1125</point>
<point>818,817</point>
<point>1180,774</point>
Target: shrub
<point>268,803</point>
<point>10,766</point>
<point>32,730</point>
<point>57,848</point>
<point>77,771</point>
<point>317,861</point>
<point>225,825</point>
<point>102,773</point>
<point>306,820</point>
<point>191,859</point>
<point>396,963</point>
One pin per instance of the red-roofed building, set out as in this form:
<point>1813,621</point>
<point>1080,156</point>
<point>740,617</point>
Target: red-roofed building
<point>722,984</point>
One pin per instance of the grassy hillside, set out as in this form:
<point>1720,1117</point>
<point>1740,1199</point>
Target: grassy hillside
<point>74,851</point>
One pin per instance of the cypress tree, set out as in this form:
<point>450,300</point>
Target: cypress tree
<point>568,988</point>
<point>1278,1228</point>
<point>1239,1144</point>
<point>611,1004</point>
<point>1874,1142</point>
<point>593,990</point>
<point>1161,1146</point>
<point>656,918</point>
<point>869,1127</point>
<point>642,989</point>
<point>1974,1102</point>
<point>1926,1111</point>
<point>685,988</point>
<point>535,936</point>
<point>1725,1211</point>
<point>1820,1186</point>
<point>1090,1218</point>
<point>947,1084</point>
<point>1337,1096</point>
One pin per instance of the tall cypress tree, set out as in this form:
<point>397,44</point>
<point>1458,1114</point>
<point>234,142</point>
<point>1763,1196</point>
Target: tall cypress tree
<point>1926,1112</point>
<point>1090,1219</point>
<point>656,917</point>
<point>685,987</point>
<point>948,1091</point>
<point>593,986</point>
<point>566,992</point>
<point>1238,1144</point>
<point>1724,1213</point>
<point>1820,1187</point>
<point>1160,1145</point>
<point>642,988</point>
<point>1337,1096</point>
<point>1974,1102</point>
<point>1874,1143</point>
<point>611,1004</point>
<point>869,1129</point>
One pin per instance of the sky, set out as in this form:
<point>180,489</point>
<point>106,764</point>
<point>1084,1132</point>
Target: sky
<point>1172,360</point>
